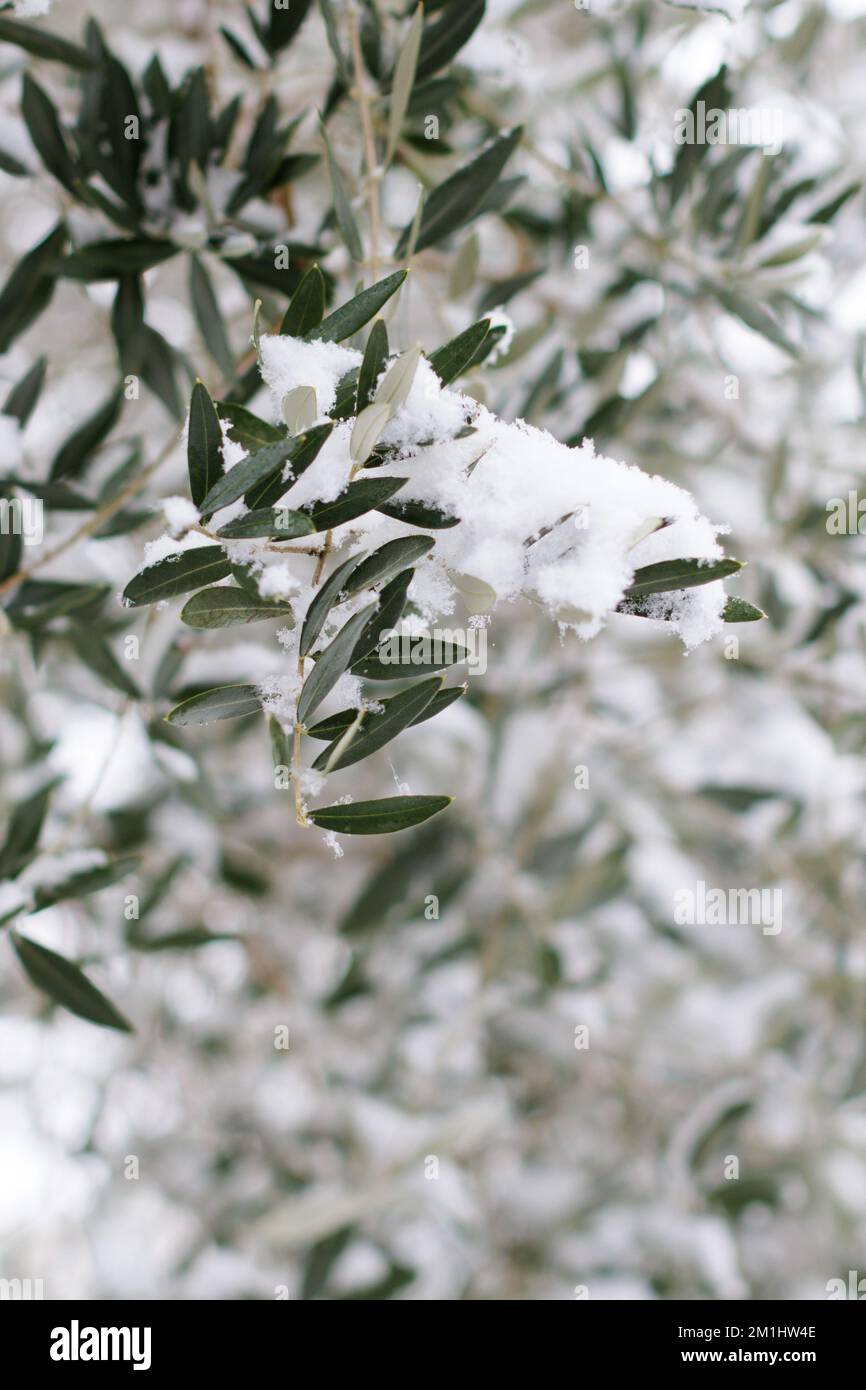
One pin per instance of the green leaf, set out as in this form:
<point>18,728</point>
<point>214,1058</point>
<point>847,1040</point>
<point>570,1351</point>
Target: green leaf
<point>284,23</point>
<point>11,543</point>
<point>829,210</point>
<point>185,939</point>
<point>223,702</point>
<point>204,444</point>
<point>277,523</point>
<point>73,457</point>
<point>342,207</point>
<point>419,514</point>
<point>435,859</point>
<point>373,364</point>
<point>189,139</point>
<point>22,836</point>
<point>109,260</point>
<point>444,39</point>
<point>327,596</point>
<point>94,651</point>
<point>37,601</point>
<point>85,881</point>
<point>331,664</point>
<point>388,560</point>
<point>66,984</point>
<point>307,308</point>
<point>10,165</point>
<point>209,319</point>
<point>246,428</point>
<point>738,610</point>
<point>345,400</point>
<point>453,358</point>
<point>43,125</point>
<point>404,80</point>
<point>43,44</point>
<point>321,1260</point>
<point>383,817</point>
<point>127,323</point>
<point>378,729</point>
<point>281,743</point>
<point>679,574</point>
<point>238,48</point>
<point>177,574</point>
<point>262,270</point>
<point>456,201</point>
<point>501,291</point>
<point>262,158</point>
<point>158,369</point>
<point>254,478</point>
<point>431,656</point>
<point>389,611</point>
<point>350,317</point>
<point>334,725</point>
<point>119,103</point>
<point>30,287</point>
<point>223,606</point>
<point>354,501</point>
<point>715,95</point>
<point>25,393</point>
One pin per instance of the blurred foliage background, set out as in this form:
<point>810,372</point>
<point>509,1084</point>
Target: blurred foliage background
<point>437,1127</point>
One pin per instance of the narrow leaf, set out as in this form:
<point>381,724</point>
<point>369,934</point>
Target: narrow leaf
<point>453,358</point>
<point>355,500</point>
<point>223,702</point>
<point>204,444</point>
<point>268,523</point>
<point>86,881</point>
<point>378,729</point>
<point>331,664</point>
<point>307,308</point>
<point>388,560</point>
<point>177,574</point>
<point>383,817</point>
<point>73,457</point>
<point>456,201</point>
<point>65,983</point>
<point>404,80</point>
<point>373,365</point>
<point>350,317</point>
<point>342,207</point>
<point>223,606</point>
<point>679,574</point>
<point>209,319</point>
<point>325,599</point>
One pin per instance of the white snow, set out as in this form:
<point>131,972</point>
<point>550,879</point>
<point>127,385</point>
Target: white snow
<point>289,362</point>
<point>538,519</point>
<point>180,513</point>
